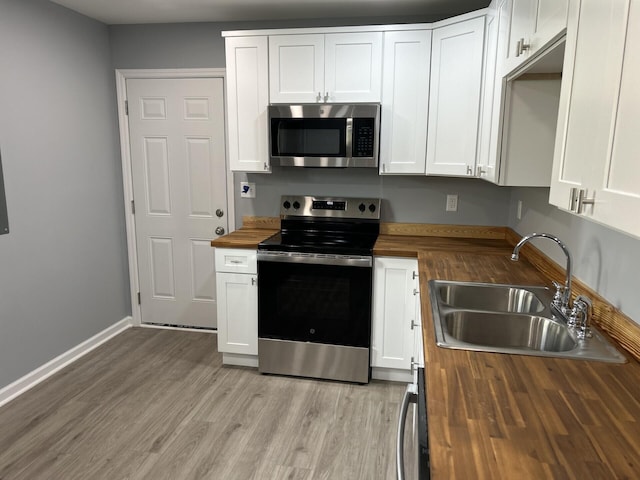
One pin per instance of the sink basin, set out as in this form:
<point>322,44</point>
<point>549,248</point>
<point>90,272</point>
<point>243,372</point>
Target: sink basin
<point>509,319</point>
<point>490,297</point>
<point>508,331</point>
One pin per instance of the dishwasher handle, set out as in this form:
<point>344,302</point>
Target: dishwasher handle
<point>410,396</point>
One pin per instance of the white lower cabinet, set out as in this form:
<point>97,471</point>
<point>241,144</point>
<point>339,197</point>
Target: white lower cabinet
<point>396,318</point>
<point>237,300</point>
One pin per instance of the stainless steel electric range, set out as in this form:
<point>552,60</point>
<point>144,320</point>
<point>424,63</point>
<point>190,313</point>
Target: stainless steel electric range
<point>315,286</point>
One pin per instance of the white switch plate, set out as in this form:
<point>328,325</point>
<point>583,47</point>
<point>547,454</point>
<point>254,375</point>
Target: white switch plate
<point>452,203</point>
<point>247,190</point>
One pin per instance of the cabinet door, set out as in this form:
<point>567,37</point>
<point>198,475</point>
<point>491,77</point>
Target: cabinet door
<point>588,98</point>
<point>353,67</point>
<point>490,119</point>
<point>247,102</point>
<point>617,186</point>
<point>296,68</point>
<point>405,102</point>
<point>522,24</point>
<point>549,22</point>
<point>394,307</point>
<point>454,99</point>
<point>237,296</point>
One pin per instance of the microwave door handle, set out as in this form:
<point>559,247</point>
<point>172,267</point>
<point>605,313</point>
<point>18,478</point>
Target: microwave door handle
<point>349,135</point>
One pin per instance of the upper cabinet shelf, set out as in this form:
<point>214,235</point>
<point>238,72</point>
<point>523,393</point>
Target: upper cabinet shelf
<point>332,68</point>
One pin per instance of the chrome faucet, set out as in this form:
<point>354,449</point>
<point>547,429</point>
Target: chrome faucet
<point>562,300</point>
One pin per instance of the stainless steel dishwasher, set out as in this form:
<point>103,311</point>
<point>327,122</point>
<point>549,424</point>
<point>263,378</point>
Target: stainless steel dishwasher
<point>412,442</point>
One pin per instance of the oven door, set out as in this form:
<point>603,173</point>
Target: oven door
<point>315,298</point>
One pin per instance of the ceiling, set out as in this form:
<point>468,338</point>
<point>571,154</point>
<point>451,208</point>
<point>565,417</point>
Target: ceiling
<point>114,12</point>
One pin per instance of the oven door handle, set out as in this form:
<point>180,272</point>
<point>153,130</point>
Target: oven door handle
<point>316,259</point>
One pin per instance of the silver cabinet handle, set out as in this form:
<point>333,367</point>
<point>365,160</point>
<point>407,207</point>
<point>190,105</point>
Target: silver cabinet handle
<point>573,199</point>
<point>521,47</point>
<point>414,275</point>
<point>319,97</point>
<point>410,396</point>
<point>469,170</point>
<point>219,230</point>
<point>583,200</point>
<point>326,97</point>
<point>254,281</point>
<point>479,171</point>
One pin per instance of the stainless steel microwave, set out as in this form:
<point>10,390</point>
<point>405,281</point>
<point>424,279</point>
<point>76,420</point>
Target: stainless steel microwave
<point>324,135</point>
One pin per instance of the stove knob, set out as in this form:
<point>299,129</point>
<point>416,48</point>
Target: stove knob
<point>296,205</point>
<point>361,207</point>
<point>372,208</point>
<point>286,205</point>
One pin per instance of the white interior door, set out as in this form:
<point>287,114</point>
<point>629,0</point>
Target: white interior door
<point>176,131</point>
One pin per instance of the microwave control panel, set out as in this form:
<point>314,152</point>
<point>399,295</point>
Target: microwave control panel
<point>363,137</point>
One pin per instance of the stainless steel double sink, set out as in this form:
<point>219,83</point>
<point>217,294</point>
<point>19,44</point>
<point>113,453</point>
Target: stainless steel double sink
<point>509,319</point>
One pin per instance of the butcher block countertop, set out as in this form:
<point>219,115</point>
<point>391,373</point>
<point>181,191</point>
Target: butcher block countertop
<point>500,416</point>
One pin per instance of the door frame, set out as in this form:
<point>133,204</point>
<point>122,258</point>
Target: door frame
<point>122,75</point>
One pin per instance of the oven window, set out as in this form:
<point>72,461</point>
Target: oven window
<point>314,303</point>
<point>308,137</point>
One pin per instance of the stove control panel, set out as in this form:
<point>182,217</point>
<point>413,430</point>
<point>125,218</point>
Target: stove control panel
<point>337,207</point>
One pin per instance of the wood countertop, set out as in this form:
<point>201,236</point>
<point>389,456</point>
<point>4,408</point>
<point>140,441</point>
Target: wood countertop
<point>243,238</point>
<point>499,416</point>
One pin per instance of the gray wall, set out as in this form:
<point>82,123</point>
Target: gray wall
<point>606,260</point>
<point>63,266</point>
<point>405,198</point>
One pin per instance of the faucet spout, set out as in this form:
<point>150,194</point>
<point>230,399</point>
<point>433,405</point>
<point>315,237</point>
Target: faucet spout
<point>566,294</point>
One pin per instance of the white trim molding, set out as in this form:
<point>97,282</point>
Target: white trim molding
<point>122,75</point>
<point>40,374</point>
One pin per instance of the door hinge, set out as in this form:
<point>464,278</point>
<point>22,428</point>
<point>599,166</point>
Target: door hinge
<point>133,207</point>
<point>126,107</point>
<point>139,299</point>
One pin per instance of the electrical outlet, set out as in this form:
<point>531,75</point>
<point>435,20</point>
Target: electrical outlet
<point>452,203</point>
<point>519,210</point>
<point>247,190</point>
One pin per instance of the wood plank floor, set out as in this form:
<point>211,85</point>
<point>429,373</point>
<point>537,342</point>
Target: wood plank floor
<point>158,404</point>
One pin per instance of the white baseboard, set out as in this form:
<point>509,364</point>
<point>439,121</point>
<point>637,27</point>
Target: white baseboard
<point>31,379</point>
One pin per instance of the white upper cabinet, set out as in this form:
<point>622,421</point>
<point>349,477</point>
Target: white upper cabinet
<point>596,172</point>
<point>247,102</point>
<point>487,166</point>
<point>454,100</point>
<point>334,68</point>
<point>534,24</point>
<point>519,115</point>
<point>296,68</point>
<point>405,102</point>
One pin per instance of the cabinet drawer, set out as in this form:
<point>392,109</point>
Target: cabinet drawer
<point>236,260</point>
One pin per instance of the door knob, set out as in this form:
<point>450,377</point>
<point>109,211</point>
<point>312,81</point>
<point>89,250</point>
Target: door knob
<point>219,230</point>
<point>219,213</point>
